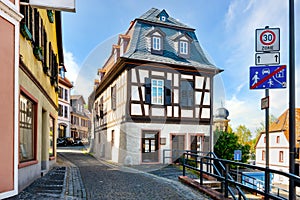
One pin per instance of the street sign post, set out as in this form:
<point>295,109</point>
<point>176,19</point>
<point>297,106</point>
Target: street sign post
<point>267,40</point>
<point>267,58</point>
<point>264,103</point>
<point>268,77</point>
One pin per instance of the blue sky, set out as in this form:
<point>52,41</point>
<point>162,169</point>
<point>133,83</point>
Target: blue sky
<point>225,29</point>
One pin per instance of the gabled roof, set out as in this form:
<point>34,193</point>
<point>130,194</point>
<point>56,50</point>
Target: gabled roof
<point>282,124</point>
<point>76,97</point>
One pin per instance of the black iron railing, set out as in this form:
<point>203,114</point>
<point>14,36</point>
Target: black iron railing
<point>236,183</point>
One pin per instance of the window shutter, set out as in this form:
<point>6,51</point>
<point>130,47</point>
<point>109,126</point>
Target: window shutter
<point>147,90</point>
<point>113,98</point>
<point>167,92</point>
<point>183,93</point>
<point>186,93</point>
<point>190,93</point>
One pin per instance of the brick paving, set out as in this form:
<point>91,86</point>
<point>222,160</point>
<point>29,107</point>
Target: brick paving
<point>81,176</point>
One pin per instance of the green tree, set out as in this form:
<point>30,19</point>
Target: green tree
<point>229,129</point>
<point>244,134</point>
<point>227,143</point>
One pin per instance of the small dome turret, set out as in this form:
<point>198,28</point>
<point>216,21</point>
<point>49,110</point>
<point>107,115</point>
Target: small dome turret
<point>221,113</point>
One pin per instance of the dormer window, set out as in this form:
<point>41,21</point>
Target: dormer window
<point>156,43</point>
<point>183,47</point>
<point>163,18</point>
<point>116,52</point>
<point>155,40</point>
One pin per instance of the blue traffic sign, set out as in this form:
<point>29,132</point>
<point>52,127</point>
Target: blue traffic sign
<point>237,155</point>
<point>268,77</point>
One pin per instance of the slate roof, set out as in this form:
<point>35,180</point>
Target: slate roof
<point>139,48</point>
<point>152,16</point>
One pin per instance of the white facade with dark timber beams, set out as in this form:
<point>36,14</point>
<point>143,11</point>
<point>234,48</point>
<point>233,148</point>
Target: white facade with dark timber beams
<point>154,93</point>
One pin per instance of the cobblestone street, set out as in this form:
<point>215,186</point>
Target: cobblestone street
<point>79,175</point>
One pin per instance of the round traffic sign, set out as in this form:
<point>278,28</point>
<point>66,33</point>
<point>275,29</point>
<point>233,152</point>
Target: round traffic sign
<point>267,37</point>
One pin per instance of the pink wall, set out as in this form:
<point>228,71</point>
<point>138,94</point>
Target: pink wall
<point>7,56</point>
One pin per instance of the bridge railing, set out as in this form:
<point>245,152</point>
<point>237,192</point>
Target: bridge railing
<point>234,182</point>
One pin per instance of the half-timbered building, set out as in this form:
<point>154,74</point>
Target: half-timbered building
<point>154,93</point>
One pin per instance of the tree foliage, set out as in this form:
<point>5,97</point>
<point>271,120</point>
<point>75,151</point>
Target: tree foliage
<point>261,129</point>
<point>227,143</point>
<point>244,134</point>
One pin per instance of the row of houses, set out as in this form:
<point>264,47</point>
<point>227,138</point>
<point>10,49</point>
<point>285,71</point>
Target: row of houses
<point>31,55</point>
<point>73,118</point>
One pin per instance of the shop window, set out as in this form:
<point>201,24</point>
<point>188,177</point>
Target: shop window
<point>27,128</point>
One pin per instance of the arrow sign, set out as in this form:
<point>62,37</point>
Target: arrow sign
<point>267,58</point>
<point>268,77</point>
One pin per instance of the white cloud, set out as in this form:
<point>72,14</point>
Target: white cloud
<point>230,15</point>
<point>246,113</point>
<point>71,66</point>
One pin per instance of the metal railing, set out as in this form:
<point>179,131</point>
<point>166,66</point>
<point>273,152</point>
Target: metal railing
<point>172,155</point>
<point>234,183</point>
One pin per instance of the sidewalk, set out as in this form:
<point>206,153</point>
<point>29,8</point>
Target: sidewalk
<point>62,182</point>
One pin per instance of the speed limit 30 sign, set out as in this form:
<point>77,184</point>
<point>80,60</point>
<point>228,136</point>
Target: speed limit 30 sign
<point>267,40</point>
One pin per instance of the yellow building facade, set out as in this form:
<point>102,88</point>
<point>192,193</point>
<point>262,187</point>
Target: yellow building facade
<point>40,55</point>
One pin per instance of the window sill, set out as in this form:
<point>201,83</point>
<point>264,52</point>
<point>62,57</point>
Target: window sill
<point>26,164</point>
<point>157,52</point>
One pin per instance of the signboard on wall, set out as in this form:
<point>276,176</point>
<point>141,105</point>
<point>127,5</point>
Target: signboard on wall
<point>65,5</point>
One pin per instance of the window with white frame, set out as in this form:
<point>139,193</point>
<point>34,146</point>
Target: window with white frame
<point>183,47</point>
<point>157,91</point>
<point>156,43</point>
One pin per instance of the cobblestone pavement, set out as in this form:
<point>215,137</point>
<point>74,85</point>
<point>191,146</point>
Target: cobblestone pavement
<point>81,176</point>
<point>108,181</point>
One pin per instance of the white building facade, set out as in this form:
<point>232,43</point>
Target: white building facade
<point>278,147</point>
<point>154,98</point>
<point>64,107</point>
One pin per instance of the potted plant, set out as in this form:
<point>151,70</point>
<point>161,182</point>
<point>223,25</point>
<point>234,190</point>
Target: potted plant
<point>50,16</point>
<point>25,31</point>
<point>38,53</point>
